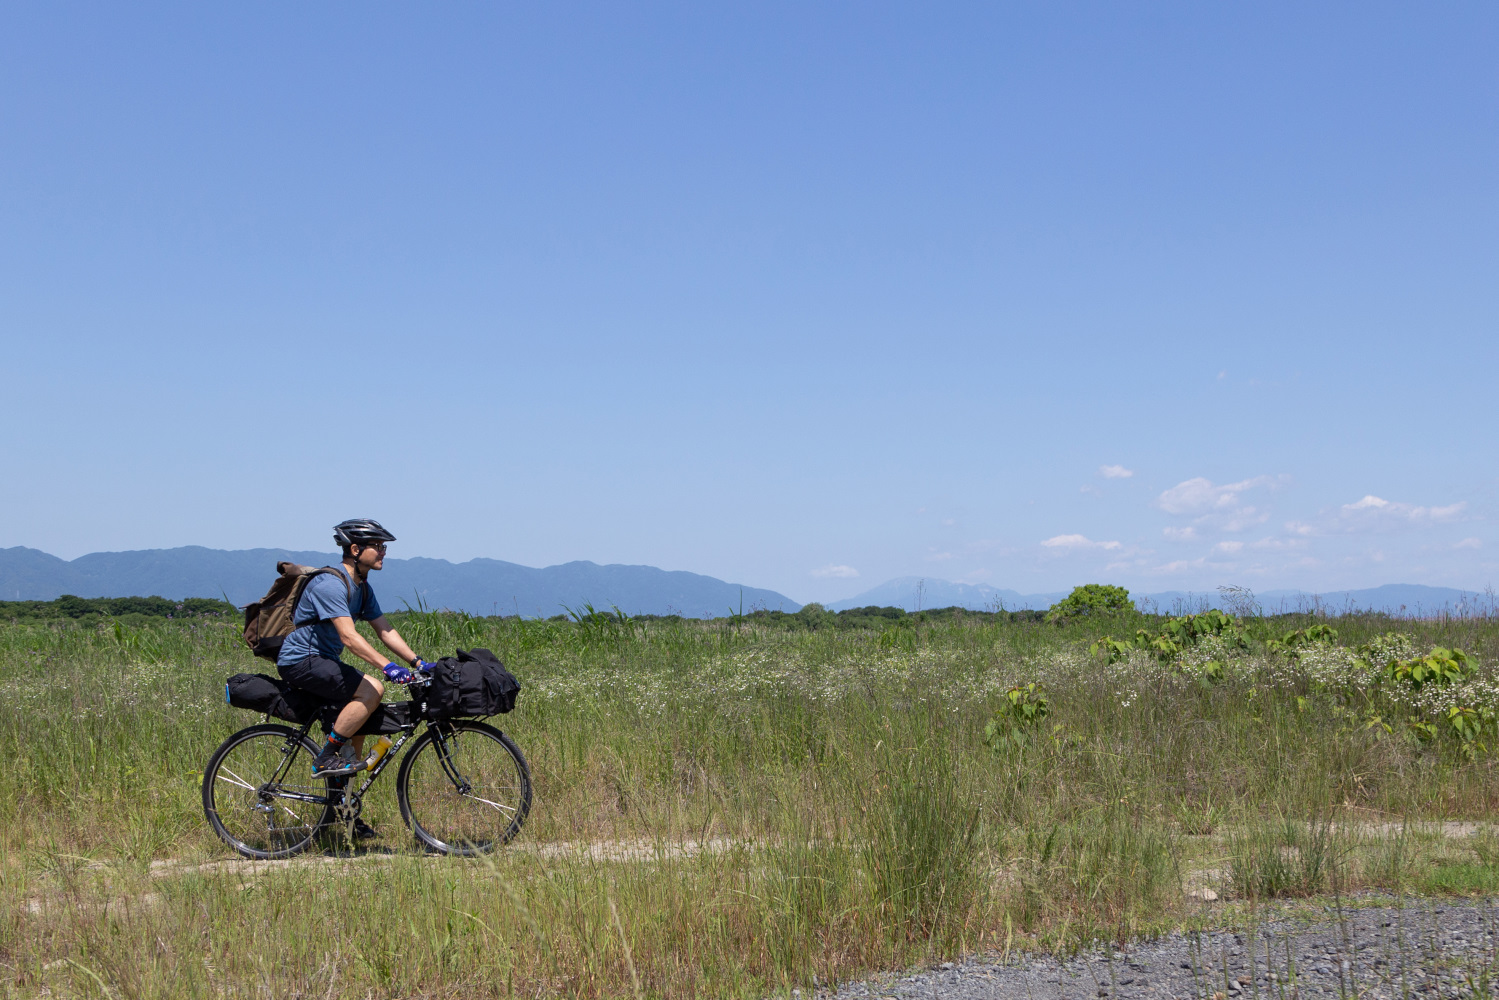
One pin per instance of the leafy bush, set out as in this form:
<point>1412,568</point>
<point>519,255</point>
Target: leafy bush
<point>1177,636</point>
<point>1292,643</point>
<point>1091,599</point>
<point>1440,667</point>
<point>1187,631</point>
<point>1016,719</point>
<point>815,616</point>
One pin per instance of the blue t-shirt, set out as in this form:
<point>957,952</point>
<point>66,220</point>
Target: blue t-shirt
<point>326,596</point>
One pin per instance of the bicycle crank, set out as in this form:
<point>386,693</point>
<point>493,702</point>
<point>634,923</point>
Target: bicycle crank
<point>347,809</point>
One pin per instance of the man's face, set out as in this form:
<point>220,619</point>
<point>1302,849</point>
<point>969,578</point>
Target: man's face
<point>371,556</point>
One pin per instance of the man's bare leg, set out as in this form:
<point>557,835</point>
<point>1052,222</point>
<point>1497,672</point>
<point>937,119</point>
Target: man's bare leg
<point>357,712</point>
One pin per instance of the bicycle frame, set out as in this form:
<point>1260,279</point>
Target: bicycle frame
<point>288,760</point>
<point>293,743</point>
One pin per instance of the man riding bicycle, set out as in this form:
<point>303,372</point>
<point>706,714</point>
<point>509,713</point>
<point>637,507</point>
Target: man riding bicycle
<point>324,620</point>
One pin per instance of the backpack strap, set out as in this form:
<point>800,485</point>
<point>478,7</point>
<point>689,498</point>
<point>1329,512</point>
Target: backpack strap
<point>364,588</point>
<point>349,593</point>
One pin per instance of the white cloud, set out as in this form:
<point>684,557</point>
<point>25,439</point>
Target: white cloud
<point>1374,513</point>
<point>1469,543</point>
<point>1214,506</point>
<point>1070,542</point>
<point>1200,496</point>
<point>836,572</point>
<point>1115,472</point>
<point>1245,518</point>
<point>1186,534</point>
<point>1180,566</point>
<point>938,556</point>
<point>1299,528</point>
<point>1228,546</point>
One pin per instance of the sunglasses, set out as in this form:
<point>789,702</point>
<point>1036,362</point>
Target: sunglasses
<point>378,546</point>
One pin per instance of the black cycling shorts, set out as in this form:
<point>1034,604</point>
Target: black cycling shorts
<point>331,680</point>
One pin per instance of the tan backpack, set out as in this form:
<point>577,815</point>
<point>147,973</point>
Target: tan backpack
<point>268,621</point>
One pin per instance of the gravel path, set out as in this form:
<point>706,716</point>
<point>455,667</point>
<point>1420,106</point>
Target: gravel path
<point>1427,949</point>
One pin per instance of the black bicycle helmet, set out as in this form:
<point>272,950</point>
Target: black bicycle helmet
<point>360,531</point>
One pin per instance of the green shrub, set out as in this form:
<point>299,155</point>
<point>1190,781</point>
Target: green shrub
<point>1176,636</point>
<point>1440,667</point>
<point>1292,643</point>
<point>814,616</point>
<point>1015,721</point>
<point>1090,600</point>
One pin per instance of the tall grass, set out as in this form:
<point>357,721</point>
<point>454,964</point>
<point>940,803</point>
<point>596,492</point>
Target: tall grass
<point>856,813</point>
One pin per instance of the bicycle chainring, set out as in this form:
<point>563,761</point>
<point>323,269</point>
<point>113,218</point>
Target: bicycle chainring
<point>347,809</point>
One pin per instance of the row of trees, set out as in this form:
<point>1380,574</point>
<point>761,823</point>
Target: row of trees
<point>69,607</point>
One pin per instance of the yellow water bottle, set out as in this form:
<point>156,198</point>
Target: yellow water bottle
<point>377,753</point>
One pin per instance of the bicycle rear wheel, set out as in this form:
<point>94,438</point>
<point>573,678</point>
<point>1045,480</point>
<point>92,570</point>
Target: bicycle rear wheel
<point>464,788</point>
<point>259,795</point>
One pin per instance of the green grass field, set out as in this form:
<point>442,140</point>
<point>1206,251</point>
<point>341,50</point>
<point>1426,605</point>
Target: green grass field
<point>870,796</point>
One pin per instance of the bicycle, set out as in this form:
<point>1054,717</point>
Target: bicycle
<point>464,788</point>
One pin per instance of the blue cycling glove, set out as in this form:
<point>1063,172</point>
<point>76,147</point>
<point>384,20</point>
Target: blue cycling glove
<point>397,674</point>
<point>425,667</point>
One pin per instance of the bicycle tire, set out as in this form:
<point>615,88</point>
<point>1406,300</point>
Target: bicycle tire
<point>251,811</point>
<point>446,817</point>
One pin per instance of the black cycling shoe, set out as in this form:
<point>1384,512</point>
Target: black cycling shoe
<point>363,831</point>
<point>329,764</point>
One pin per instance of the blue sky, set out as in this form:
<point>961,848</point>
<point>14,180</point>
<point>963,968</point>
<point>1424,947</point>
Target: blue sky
<point>800,296</point>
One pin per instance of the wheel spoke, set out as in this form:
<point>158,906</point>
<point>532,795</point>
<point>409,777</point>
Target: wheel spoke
<point>233,779</point>
<point>489,803</point>
<point>487,773</point>
<point>247,806</point>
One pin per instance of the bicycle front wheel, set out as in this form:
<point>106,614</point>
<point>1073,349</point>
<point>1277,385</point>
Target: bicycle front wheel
<point>259,794</point>
<point>464,788</point>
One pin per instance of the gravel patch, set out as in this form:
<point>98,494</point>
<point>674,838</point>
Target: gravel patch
<point>1425,949</point>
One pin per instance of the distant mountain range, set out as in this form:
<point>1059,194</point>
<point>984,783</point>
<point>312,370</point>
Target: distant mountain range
<point>912,592</point>
<point>479,586</point>
<point>490,586</point>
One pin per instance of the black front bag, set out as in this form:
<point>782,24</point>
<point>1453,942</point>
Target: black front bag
<point>275,697</point>
<point>473,683</point>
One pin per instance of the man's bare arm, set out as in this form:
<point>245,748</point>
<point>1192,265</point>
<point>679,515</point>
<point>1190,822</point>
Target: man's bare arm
<point>392,639</point>
<point>358,644</point>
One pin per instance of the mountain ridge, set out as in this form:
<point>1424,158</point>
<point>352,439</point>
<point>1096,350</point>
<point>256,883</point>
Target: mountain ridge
<point>913,593</point>
<point>494,586</point>
<point>478,586</point>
